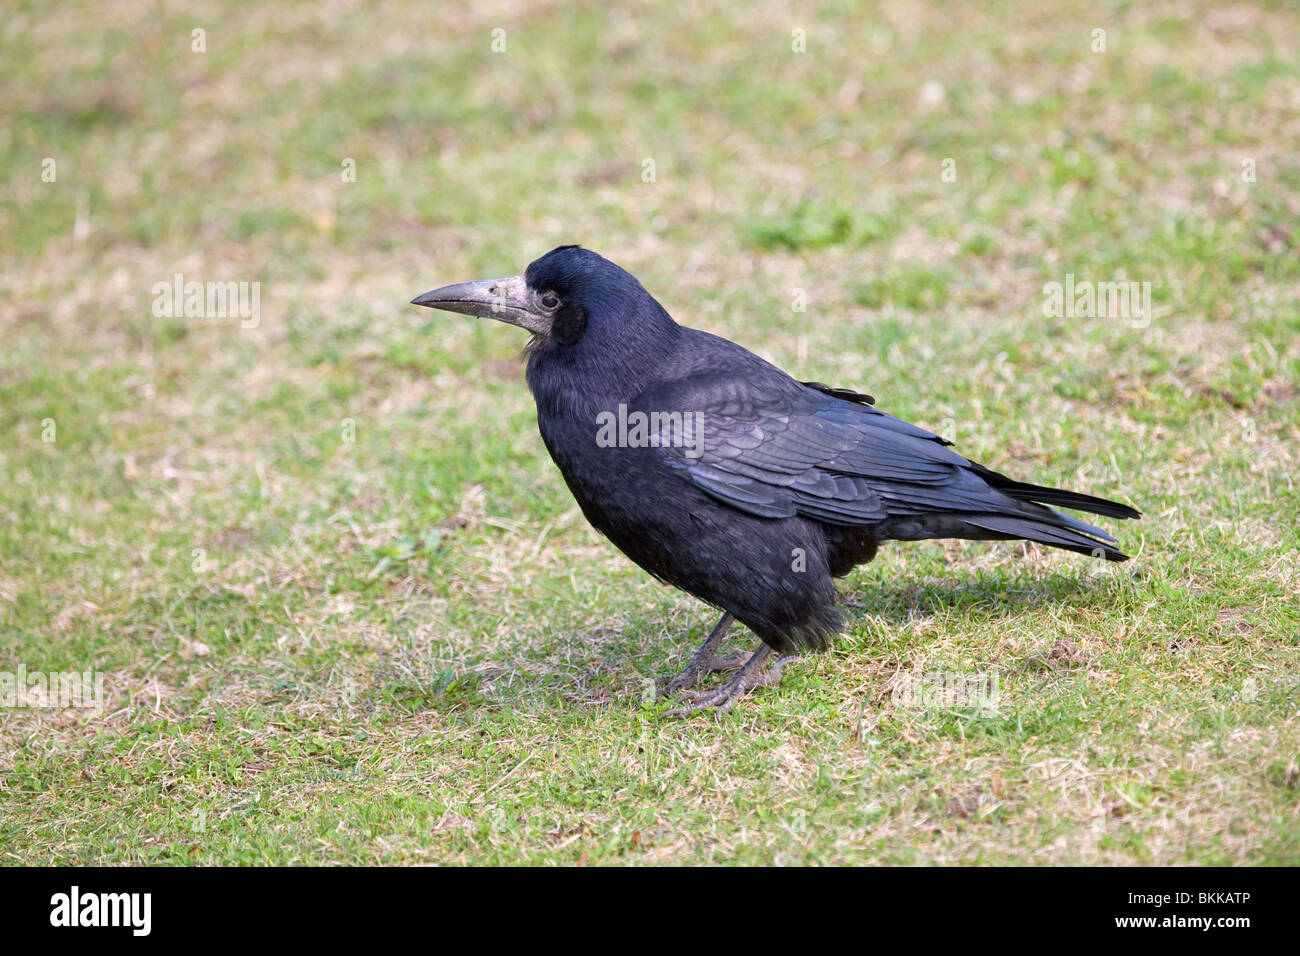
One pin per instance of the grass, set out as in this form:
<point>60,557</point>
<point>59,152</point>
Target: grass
<point>346,610</point>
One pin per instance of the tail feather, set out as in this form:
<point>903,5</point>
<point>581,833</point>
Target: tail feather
<point>1059,497</point>
<point>1032,528</point>
<point>1034,511</point>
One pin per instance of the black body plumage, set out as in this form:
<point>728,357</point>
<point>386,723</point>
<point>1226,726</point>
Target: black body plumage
<point>792,484</point>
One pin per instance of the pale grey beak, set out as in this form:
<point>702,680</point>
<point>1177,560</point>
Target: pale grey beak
<point>506,300</point>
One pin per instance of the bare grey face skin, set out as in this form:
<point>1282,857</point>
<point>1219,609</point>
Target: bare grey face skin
<point>506,300</point>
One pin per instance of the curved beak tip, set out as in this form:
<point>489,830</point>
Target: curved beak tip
<point>505,300</point>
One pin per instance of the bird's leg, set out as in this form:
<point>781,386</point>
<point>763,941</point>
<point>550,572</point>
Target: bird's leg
<point>724,698</point>
<point>705,660</point>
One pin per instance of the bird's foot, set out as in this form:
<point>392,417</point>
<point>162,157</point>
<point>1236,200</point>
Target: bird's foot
<point>701,666</point>
<point>750,676</point>
<point>704,661</point>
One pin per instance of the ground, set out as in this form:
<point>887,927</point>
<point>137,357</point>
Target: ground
<point>346,611</point>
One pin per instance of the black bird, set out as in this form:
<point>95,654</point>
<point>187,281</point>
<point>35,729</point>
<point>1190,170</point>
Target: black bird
<point>720,474</point>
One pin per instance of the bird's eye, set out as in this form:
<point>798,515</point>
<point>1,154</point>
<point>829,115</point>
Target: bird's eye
<point>550,300</point>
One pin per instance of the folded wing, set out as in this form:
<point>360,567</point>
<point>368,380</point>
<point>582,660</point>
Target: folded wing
<point>777,448</point>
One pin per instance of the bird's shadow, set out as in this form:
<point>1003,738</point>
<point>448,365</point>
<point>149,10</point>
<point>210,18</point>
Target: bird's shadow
<point>630,660</point>
<point>998,599</point>
<point>902,602</point>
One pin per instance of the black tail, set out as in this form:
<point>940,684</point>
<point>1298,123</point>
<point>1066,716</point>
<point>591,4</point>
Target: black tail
<point>1055,496</point>
<point>1052,529</point>
<point>1037,522</point>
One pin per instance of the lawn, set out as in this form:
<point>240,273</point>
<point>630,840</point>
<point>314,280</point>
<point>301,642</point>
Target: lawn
<point>344,608</point>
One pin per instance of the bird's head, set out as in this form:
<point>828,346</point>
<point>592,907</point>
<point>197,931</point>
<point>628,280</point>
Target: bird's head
<point>569,298</point>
